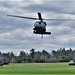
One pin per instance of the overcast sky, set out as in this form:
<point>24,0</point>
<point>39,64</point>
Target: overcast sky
<point>16,34</point>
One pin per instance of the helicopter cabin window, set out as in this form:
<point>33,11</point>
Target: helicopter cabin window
<point>41,24</point>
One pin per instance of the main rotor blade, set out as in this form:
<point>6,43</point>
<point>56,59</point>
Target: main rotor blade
<point>23,17</point>
<point>60,19</point>
<point>40,17</point>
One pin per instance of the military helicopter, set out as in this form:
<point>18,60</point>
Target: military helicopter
<point>40,25</point>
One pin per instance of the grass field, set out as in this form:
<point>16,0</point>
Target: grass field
<point>38,69</point>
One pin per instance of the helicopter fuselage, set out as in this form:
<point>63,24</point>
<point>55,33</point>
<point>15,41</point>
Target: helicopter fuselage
<point>40,28</point>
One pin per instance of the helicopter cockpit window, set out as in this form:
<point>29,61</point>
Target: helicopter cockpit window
<point>39,22</point>
<point>36,23</point>
<point>43,24</point>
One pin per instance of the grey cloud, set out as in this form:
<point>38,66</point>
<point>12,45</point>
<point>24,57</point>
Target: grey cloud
<point>52,6</point>
<point>16,34</point>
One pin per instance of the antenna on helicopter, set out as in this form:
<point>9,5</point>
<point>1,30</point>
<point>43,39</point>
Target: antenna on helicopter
<point>42,36</point>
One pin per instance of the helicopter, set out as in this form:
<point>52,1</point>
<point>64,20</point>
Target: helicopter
<point>40,25</point>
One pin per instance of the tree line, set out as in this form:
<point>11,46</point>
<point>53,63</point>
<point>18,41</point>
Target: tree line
<point>60,55</point>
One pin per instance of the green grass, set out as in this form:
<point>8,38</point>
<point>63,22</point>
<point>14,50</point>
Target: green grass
<point>38,69</point>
